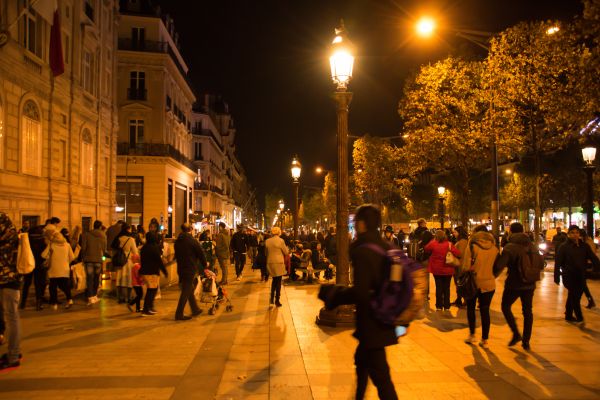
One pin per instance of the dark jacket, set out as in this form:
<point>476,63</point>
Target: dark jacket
<point>571,263</point>
<point>330,248</point>
<point>93,246</point>
<point>37,241</point>
<point>516,247</point>
<point>368,277</point>
<point>189,256</point>
<point>151,260</point>
<point>9,244</point>
<point>239,242</point>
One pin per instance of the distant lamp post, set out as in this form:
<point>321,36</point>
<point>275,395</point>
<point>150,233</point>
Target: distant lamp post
<point>280,212</point>
<point>296,171</point>
<point>442,196</point>
<point>589,155</point>
<point>342,64</point>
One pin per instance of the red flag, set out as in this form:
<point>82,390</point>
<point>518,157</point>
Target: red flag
<point>57,64</point>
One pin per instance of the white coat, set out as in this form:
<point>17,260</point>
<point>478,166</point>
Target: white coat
<point>59,255</point>
<point>276,251</point>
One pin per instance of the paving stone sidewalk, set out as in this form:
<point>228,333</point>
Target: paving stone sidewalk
<point>255,352</point>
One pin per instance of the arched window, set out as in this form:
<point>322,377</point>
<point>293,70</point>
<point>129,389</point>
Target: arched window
<point>88,161</point>
<point>31,139</point>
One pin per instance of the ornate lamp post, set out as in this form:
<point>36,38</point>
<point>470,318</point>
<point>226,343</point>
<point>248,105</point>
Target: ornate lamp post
<point>296,171</point>
<point>589,155</point>
<point>442,196</point>
<point>342,62</point>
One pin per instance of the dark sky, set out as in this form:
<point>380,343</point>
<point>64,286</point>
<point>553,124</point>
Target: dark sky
<point>269,60</point>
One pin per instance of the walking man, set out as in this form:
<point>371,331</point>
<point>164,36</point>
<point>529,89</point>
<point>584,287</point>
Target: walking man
<point>93,247</point>
<point>373,336</point>
<point>10,292</point>
<point>514,286</point>
<point>222,251</point>
<point>239,246</point>
<point>190,257</point>
<point>571,263</point>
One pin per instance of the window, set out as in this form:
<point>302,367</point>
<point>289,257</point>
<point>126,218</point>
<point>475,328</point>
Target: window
<point>87,158</point>
<point>138,38</point>
<point>30,29</point>
<point>198,151</point>
<point>136,132</point>
<point>137,85</point>
<point>31,139</point>
<point>87,71</point>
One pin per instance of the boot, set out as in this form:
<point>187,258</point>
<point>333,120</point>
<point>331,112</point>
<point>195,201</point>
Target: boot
<point>591,303</point>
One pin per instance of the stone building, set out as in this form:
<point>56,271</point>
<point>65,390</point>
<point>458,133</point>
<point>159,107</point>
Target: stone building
<point>58,134</point>
<point>155,173</point>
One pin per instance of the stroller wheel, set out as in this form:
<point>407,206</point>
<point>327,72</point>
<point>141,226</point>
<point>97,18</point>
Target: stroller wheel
<point>229,308</point>
<point>211,311</point>
<point>216,306</point>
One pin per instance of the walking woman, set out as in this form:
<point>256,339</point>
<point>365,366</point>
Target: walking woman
<point>152,265</point>
<point>442,272</point>
<point>59,256</point>
<point>125,241</point>
<point>480,256</point>
<point>276,252</point>
<point>461,238</point>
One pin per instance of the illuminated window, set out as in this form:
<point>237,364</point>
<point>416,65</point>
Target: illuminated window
<point>87,158</point>
<point>31,139</point>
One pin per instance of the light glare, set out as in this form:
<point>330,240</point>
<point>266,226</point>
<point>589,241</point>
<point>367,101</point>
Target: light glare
<point>425,26</point>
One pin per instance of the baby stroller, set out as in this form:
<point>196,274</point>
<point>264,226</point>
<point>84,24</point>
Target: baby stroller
<point>208,292</point>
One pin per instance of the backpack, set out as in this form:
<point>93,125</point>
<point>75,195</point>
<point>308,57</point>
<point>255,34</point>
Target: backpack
<point>119,258</point>
<point>402,293</point>
<point>530,264</point>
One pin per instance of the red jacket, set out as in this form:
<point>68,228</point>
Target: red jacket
<point>437,260</point>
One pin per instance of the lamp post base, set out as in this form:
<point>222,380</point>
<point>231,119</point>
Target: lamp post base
<point>340,317</point>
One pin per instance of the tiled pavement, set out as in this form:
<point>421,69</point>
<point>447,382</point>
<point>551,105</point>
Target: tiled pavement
<point>106,352</point>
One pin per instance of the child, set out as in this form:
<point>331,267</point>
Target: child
<point>137,282</point>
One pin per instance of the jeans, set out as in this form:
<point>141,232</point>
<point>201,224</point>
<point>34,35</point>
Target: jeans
<point>276,288</point>
<point>38,276</point>
<point>442,290</point>
<point>92,278</point>
<point>9,305</point>
<point>484,310</point>
<point>187,295</point>
<point>63,284</point>
<point>224,265</point>
<point>508,298</point>
<point>372,363</point>
<point>574,303</point>
<point>240,261</point>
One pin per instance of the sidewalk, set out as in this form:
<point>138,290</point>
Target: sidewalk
<point>254,352</point>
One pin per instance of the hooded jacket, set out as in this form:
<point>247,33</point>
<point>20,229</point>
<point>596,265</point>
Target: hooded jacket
<point>9,245</point>
<point>59,255</point>
<point>516,246</point>
<point>93,246</point>
<point>480,256</point>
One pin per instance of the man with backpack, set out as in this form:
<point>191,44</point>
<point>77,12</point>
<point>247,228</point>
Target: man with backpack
<point>571,263</point>
<point>524,264</point>
<point>373,336</point>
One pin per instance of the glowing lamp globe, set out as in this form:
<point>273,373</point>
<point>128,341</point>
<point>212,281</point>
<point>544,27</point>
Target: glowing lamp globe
<point>342,58</point>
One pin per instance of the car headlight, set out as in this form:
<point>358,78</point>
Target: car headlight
<point>543,246</point>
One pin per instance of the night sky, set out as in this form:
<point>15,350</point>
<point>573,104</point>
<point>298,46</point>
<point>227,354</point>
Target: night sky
<point>269,61</point>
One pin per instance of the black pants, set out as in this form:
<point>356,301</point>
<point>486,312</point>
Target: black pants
<point>508,298</point>
<point>187,295</point>
<point>586,290</point>
<point>38,276</point>
<point>139,292</point>
<point>484,310</point>
<point>240,261</point>
<point>574,302</point>
<point>372,363</point>
<point>442,290</point>
<point>149,299</point>
<point>64,284</point>
<point>276,288</point>
<point>458,298</point>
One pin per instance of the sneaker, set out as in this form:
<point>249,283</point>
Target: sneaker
<point>90,301</point>
<point>153,311</point>
<point>515,339</point>
<point>95,299</point>
<point>570,319</point>
<point>526,346</point>
<point>239,278</point>
<point>55,307</point>
<point>484,344</point>
<point>147,313</point>
<point>470,340</point>
<point>5,364</point>
<point>69,304</point>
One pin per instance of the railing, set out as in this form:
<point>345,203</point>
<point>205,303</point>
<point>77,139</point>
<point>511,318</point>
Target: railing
<point>156,150</point>
<point>207,132</point>
<point>137,94</point>
<point>149,46</point>
<point>201,186</point>
<point>216,189</point>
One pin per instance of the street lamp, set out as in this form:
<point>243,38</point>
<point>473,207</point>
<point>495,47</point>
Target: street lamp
<point>280,212</point>
<point>342,63</point>
<point>442,194</point>
<point>589,155</point>
<point>296,170</point>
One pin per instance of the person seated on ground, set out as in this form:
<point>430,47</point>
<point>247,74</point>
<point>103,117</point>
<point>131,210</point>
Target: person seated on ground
<point>319,261</point>
<point>306,264</point>
<point>296,261</point>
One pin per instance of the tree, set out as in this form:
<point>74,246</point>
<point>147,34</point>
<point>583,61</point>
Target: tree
<point>272,205</point>
<point>313,207</point>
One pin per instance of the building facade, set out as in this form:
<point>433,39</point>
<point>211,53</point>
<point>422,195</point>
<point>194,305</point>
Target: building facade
<point>155,172</point>
<point>58,134</point>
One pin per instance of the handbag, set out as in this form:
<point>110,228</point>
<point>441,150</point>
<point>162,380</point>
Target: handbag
<point>465,285</point>
<point>450,258</point>
<point>25,259</point>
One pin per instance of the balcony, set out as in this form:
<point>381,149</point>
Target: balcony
<point>208,133</point>
<point>201,186</point>
<point>137,94</point>
<point>155,150</point>
<point>149,46</point>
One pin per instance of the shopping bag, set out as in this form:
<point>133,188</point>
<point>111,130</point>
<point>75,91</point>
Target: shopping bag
<point>79,276</point>
<point>25,260</point>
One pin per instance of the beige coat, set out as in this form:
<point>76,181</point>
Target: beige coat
<point>276,251</point>
<point>484,255</point>
<point>59,255</point>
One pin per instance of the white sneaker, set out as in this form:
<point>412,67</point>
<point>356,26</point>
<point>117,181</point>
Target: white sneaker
<point>90,301</point>
<point>69,304</point>
<point>239,278</point>
<point>484,344</point>
<point>55,307</point>
<point>95,299</point>
<point>470,340</point>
